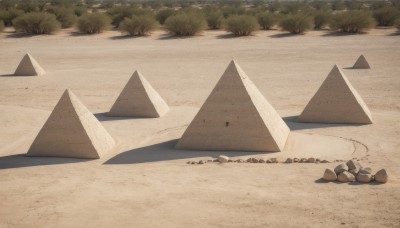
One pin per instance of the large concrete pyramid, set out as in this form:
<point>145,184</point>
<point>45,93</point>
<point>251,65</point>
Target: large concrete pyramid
<point>71,131</point>
<point>29,67</point>
<point>361,63</point>
<point>139,99</point>
<point>336,101</point>
<point>235,116</point>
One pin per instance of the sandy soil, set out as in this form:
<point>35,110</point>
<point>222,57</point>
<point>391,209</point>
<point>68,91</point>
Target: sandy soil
<point>144,182</point>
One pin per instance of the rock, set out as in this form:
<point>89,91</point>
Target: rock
<point>346,176</point>
<point>254,160</point>
<point>193,163</point>
<point>239,160</point>
<point>249,160</point>
<point>366,170</point>
<point>354,171</point>
<point>311,160</point>
<point>261,160</point>
<point>364,177</point>
<point>215,160</point>
<point>381,176</point>
<point>340,168</point>
<point>274,160</point>
<point>303,160</point>
<point>269,161</point>
<point>353,164</point>
<point>324,161</point>
<point>296,160</point>
<point>189,162</point>
<point>223,158</point>
<point>202,162</point>
<point>329,175</point>
<point>230,160</point>
<point>317,160</point>
<point>289,160</point>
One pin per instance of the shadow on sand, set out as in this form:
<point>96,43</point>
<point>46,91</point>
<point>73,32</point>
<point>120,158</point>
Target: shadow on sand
<point>165,151</point>
<point>21,160</point>
<point>322,181</point>
<point>336,33</point>
<point>284,35</point>
<point>103,116</point>
<point>293,125</point>
<point>20,35</point>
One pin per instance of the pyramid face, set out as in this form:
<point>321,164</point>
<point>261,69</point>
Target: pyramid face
<point>139,99</point>
<point>336,101</point>
<point>71,131</point>
<point>361,63</point>
<point>29,67</point>
<point>235,116</point>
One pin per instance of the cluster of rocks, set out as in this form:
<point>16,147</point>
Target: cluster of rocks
<point>353,171</point>
<point>225,159</point>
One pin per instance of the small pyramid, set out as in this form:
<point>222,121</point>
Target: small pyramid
<point>71,131</point>
<point>235,116</point>
<point>139,99</point>
<point>336,101</point>
<point>361,63</point>
<point>29,67</point>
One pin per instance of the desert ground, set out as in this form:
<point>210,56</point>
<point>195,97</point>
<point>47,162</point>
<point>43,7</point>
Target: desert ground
<point>145,182</point>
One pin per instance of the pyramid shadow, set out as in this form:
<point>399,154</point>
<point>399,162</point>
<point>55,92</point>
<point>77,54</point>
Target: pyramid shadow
<point>293,125</point>
<point>394,34</point>
<point>11,75</point>
<point>103,116</point>
<point>21,160</point>
<point>165,151</point>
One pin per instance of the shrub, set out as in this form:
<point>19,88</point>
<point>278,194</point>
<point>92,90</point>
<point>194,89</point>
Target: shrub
<point>119,13</point>
<point>397,24</point>
<point>36,23</point>
<point>267,20</point>
<point>215,19</point>
<point>162,15</point>
<point>233,10</point>
<point>66,16</point>
<point>7,16</point>
<point>241,25</point>
<point>1,26</point>
<point>352,21</point>
<point>321,19</point>
<point>297,23</point>
<point>93,23</point>
<point>185,24</point>
<point>386,16</point>
<point>80,10</point>
<point>138,25</point>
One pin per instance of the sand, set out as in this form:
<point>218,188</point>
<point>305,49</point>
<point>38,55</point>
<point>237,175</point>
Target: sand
<point>144,182</point>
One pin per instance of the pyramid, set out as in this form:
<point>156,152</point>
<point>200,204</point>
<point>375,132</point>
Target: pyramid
<point>361,63</point>
<point>71,131</point>
<point>139,99</point>
<point>29,67</point>
<point>336,101</point>
<point>235,116</point>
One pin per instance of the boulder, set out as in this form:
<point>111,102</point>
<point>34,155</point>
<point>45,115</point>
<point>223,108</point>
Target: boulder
<point>193,163</point>
<point>188,162</point>
<point>274,160</point>
<point>296,160</point>
<point>324,161</point>
<point>202,162</point>
<point>289,160</point>
<point>353,164</point>
<point>311,160</point>
<point>223,158</point>
<point>364,177</point>
<point>230,160</point>
<point>381,176</point>
<point>366,170</point>
<point>239,160</point>
<point>269,161</point>
<point>346,176</point>
<point>354,171</point>
<point>254,160</point>
<point>261,160</point>
<point>340,168</point>
<point>329,175</point>
<point>303,160</point>
<point>249,160</point>
<point>317,160</point>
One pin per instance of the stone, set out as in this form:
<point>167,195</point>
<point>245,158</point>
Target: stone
<point>311,160</point>
<point>235,117</point>
<point>274,160</point>
<point>324,161</point>
<point>289,160</point>
<point>295,160</point>
<point>261,161</point>
<point>223,158</point>
<point>230,160</point>
<point>269,161</point>
<point>364,177</point>
<point>317,160</point>
<point>346,176</point>
<point>202,162</point>
<point>381,176</point>
<point>254,160</point>
<point>365,170</point>
<point>193,163</point>
<point>329,175</point>
<point>341,168</point>
<point>354,171</point>
<point>303,160</point>
<point>239,160</point>
<point>188,162</point>
<point>353,164</point>
<point>249,160</point>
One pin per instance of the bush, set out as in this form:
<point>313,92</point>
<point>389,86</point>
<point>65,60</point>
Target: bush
<point>185,24</point>
<point>36,23</point>
<point>267,20</point>
<point>119,13</point>
<point>297,23</point>
<point>66,16</point>
<point>386,16</point>
<point>321,19</point>
<point>352,21</point>
<point>241,25</point>
<point>215,19</point>
<point>397,24</point>
<point>93,23</point>
<point>162,15</point>
<point>7,16</point>
<point>138,25</point>
<point>1,26</point>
